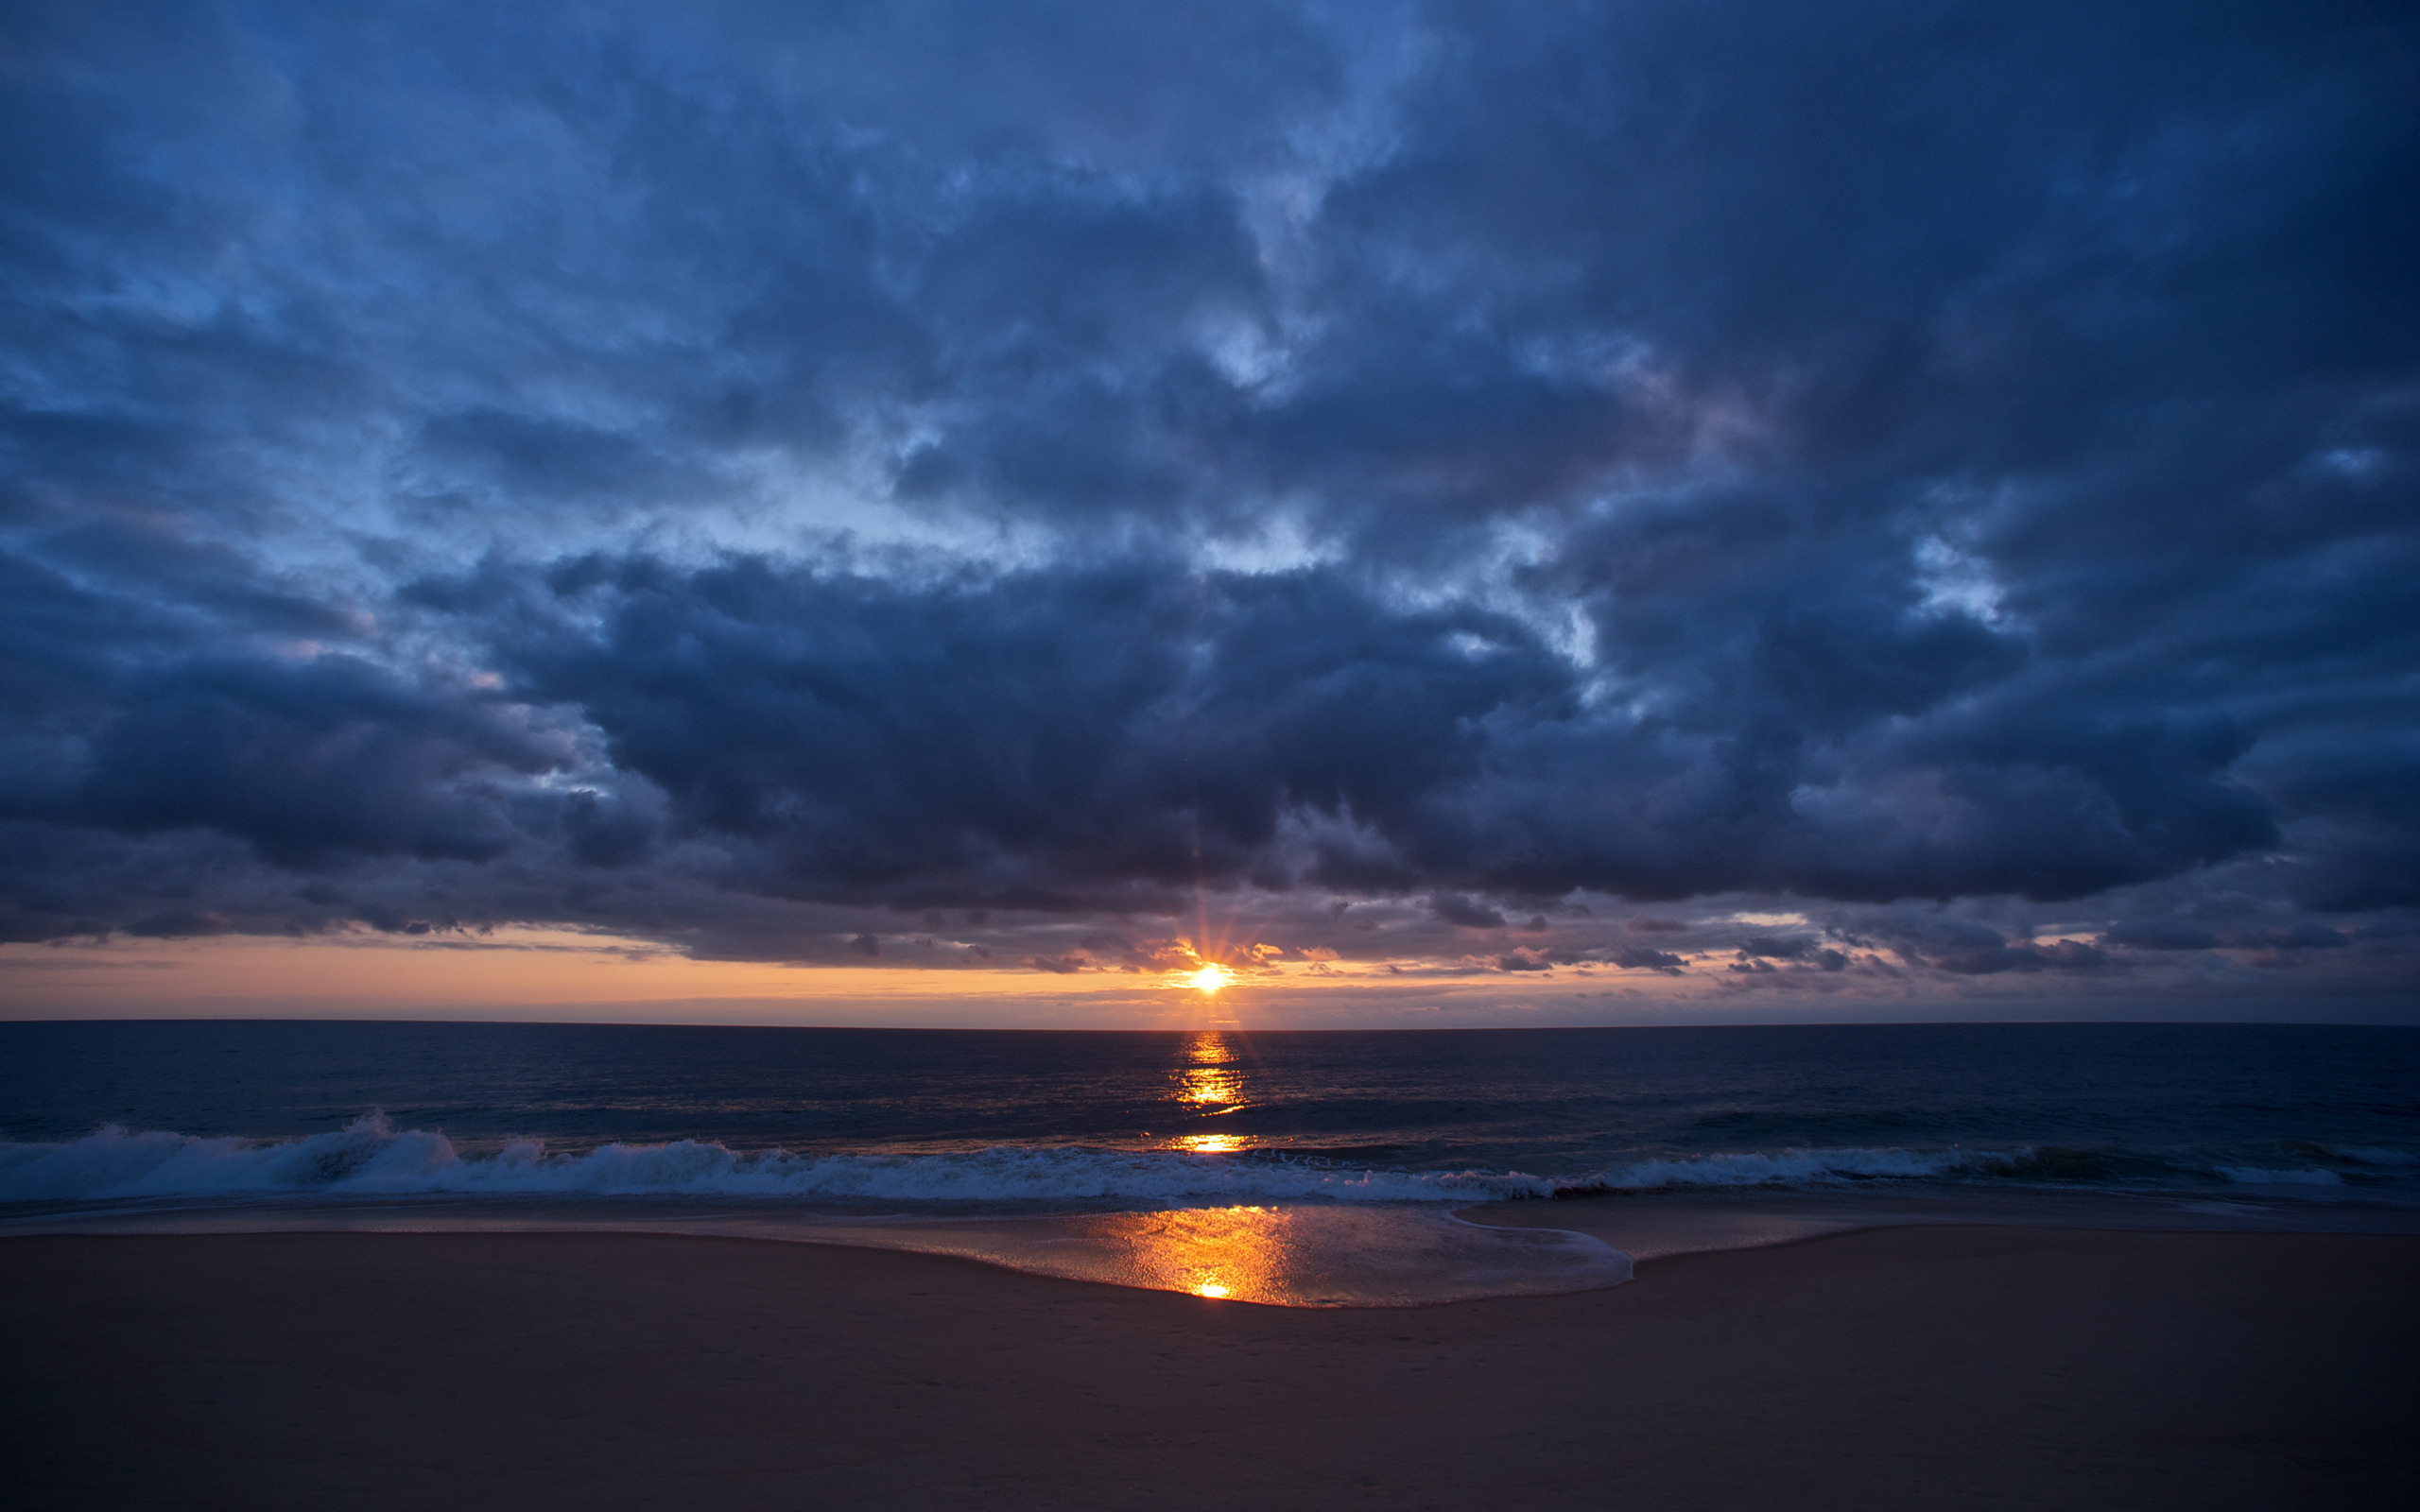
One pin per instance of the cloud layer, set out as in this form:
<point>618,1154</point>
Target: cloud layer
<point>994,475</point>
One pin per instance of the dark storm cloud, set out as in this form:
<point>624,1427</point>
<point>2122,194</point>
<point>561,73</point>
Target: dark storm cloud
<point>1041,736</point>
<point>1456,909</point>
<point>1035,738</point>
<point>1639,958</point>
<point>702,474</point>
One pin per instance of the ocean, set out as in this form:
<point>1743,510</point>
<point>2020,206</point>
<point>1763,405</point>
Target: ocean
<point>1337,1158</point>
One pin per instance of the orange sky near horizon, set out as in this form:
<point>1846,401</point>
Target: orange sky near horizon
<point>539,974</point>
<point>534,974</point>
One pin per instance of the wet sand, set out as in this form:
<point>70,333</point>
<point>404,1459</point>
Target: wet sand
<point>1917,1368</point>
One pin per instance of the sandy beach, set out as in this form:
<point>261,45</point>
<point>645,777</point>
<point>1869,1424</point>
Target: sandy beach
<point>1906,1367</point>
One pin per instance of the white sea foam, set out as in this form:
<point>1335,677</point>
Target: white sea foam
<point>371,1158</point>
<point>2371,1155</point>
<point>1783,1167</point>
<point>2298,1176</point>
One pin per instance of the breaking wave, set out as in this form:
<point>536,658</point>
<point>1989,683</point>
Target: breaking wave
<point>371,1158</point>
<point>2292,1177</point>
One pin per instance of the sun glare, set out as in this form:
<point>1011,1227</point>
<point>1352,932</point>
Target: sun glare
<point>1210,977</point>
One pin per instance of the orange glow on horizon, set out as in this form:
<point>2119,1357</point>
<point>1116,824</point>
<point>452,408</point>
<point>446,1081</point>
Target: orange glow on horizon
<point>238,976</point>
<point>528,973</point>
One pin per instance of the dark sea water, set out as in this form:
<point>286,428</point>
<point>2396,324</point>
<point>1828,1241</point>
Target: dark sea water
<point>670,1125</point>
<point>187,1109</point>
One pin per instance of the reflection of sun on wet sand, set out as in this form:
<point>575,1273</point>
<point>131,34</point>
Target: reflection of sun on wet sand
<point>1344,1255</point>
<point>1350,1255</point>
<point>1240,1253</point>
<point>1896,1368</point>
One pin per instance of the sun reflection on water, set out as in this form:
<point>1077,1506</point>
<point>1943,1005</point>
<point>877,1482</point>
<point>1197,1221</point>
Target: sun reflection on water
<point>1213,1085</point>
<point>1209,1081</point>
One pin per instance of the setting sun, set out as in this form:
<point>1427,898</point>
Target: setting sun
<point>1210,977</point>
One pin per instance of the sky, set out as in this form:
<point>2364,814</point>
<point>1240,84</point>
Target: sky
<point>1673,511</point>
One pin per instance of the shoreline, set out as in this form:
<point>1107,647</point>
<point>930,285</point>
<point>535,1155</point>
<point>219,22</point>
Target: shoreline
<point>1650,1224</point>
<point>1910,1367</point>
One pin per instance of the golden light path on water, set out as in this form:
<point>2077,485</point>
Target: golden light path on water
<point>1209,1080</point>
<point>1349,1254</point>
<point>1297,1255</point>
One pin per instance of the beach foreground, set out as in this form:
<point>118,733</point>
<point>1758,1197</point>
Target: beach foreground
<point>1902,1368</point>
